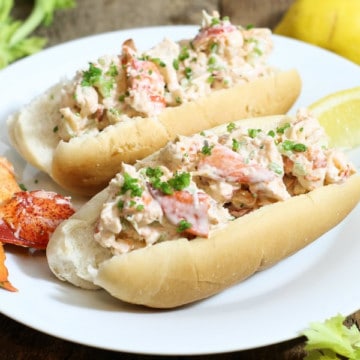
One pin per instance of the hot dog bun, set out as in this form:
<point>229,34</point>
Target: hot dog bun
<point>178,272</point>
<point>84,164</point>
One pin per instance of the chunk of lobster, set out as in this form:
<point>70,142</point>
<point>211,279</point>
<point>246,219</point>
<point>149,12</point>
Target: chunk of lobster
<point>4,282</point>
<point>9,186</point>
<point>28,218</point>
<point>189,211</point>
<point>8,182</point>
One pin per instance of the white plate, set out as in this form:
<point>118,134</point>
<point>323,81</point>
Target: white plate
<point>272,306</point>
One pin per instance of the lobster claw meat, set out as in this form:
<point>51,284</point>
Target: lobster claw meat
<point>28,218</point>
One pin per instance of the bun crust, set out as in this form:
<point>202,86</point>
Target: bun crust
<point>85,164</point>
<point>175,273</point>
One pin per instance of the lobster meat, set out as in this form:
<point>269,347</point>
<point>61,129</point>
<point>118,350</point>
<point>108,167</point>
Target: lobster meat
<point>27,218</point>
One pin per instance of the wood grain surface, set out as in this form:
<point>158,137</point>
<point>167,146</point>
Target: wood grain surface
<point>97,16</point>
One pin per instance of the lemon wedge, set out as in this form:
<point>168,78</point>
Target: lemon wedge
<point>339,114</point>
<point>331,24</point>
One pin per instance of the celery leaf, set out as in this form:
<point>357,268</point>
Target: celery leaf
<point>16,41</point>
<point>326,340</point>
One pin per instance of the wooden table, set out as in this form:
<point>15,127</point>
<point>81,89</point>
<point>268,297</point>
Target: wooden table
<point>96,16</point>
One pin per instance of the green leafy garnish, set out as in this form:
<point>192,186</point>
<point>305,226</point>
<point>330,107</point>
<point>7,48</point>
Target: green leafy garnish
<point>15,39</point>
<point>212,61</point>
<point>183,225</point>
<point>257,51</point>
<point>188,72</point>
<point>332,339</point>
<point>131,184</point>
<point>215,21</point>
<point>210,79</point>
<point>253,132</point>
<point>230,127</point>
<point>158,62</point>
<point>206,149</point>
<point>132,204</point>
<point>281,129</point>
<point>91,76</point>
<point>178,182</point>
<point>214,47</point>
<point>276,168</point>
<point>22,187</point>
<point>94,77</point>
<point>176,64</point>
<point>120,204</point>
<point>184,53</point>
<point>113,71</point>
<point>154,174</point>
<point>140,207</point>
<point>235,145</point>
<point>289,145</point>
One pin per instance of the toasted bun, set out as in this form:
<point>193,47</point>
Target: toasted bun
<point>174,273</point>
<point>85,164</point>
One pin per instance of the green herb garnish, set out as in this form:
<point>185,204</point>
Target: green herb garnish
<point>154,173</point>
<point>214,48</point>
<point>158,62</point>
<point>215,21</point>
<point>211,61</point>
<point>183,225</point>
<point>184,53</point>
<point>176,64</point>
<point>120,204</point>
<point>206,149</point>
<point>210,79</point>
<point>235,145</point>
<point>253,132</point>
<point>289,145</point>
<point>131,184</point>
<point>94,77</point>
<point>230,127</point>
<point>188,72</point>
<point>91,76</point>
<point>281,129</point>
<point>113,71</point>
<point>178,182</point>
<point>22,187</point>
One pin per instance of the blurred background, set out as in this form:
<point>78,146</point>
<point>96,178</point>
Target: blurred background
<point>331,24</point>
<point>95,16</point>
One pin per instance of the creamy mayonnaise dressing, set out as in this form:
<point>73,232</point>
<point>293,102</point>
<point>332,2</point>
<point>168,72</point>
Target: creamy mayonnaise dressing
<point>197,184</point>
<point>142,84</point>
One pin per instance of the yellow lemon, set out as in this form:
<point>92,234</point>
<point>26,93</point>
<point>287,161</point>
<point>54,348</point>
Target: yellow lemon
<point>339,114</point>
<point>331,24</point>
